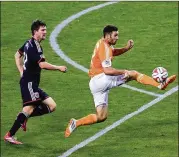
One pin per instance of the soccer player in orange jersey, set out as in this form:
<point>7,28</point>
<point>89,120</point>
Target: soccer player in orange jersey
<point>104,77</point>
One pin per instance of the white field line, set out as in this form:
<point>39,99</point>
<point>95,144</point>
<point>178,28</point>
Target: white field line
<point>57,49</point>
<point>117,123</point>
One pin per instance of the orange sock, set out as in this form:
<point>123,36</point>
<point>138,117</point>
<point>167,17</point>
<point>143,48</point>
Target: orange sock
<point>89,119</point>
<point>144,79</point>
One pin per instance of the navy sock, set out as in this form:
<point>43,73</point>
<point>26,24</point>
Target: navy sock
<point>21,117</point>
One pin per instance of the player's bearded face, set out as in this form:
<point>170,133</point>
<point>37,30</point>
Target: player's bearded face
<point>114,37</point>
<point>41,33</point>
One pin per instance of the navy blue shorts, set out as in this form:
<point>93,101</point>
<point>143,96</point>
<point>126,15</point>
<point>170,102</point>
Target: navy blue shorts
<point>31,94</point>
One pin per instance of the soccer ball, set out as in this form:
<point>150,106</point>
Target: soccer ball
<point>159,74</point>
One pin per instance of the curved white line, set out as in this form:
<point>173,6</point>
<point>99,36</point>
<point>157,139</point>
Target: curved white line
<point>58,29</point>
<point>57,49</point>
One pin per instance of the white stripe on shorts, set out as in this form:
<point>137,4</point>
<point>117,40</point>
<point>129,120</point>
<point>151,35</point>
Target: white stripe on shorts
<point>32,94</point>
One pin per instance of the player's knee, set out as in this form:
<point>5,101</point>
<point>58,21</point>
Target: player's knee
<point>102,113</point>
<point>28,109</point>
<point>133,74</point>
<point>50,103</point>
<point>101,117</point>
<point>52,107</point>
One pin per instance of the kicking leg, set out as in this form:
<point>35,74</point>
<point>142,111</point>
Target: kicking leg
<point>144,79</point>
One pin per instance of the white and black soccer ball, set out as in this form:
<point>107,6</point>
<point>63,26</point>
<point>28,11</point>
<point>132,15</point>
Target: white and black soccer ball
<point>159,74</point>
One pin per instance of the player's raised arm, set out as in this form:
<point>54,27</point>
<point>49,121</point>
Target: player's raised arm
<point>119,51</point>
<point>19,62</point>
<point>48,66</point>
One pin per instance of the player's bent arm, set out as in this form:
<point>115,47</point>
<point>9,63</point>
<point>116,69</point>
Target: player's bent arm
<point>119,51</point>
<point>113,71</point>
<point>48,66</point>
<point>19,62</point>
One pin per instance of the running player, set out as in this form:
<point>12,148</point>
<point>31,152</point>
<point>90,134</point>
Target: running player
<point>35,101</point>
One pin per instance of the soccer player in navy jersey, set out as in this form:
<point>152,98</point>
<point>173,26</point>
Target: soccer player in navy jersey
<point>30,60</point>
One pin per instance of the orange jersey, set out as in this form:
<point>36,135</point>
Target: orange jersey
<point>102,57</point>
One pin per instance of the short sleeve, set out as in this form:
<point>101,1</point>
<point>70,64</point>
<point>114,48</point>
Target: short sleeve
<point>21,49</point>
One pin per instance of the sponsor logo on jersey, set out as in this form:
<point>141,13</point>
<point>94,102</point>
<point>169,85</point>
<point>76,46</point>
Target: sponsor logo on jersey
<point>106,63</point>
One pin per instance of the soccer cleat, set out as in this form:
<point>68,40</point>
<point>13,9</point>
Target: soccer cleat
<point>11,139</point>
<point>71,127</point>
<point>24,125</point>
<point>169,80</point>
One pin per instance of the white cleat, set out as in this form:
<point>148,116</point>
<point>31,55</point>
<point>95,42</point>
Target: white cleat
<point>71,127</point>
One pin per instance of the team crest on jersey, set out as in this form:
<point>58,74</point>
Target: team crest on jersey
<point>27,45</point>
<point>106,63</point>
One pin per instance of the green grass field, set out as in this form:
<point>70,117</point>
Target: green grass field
<point>154,28</point>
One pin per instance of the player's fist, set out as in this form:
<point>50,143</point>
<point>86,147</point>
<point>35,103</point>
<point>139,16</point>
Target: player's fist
<point>130,44</point>
<point>63,68</point>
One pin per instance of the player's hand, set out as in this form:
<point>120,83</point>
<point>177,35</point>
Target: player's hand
<point>130,44</point>
<point>126,75</point>
<point>63,68</point>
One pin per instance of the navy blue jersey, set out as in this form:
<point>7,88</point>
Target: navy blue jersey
<point>33,55</point>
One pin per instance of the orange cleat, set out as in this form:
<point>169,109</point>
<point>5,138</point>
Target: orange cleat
<point>11,139</point>
<point>71,127</point>
<point>169,80</point>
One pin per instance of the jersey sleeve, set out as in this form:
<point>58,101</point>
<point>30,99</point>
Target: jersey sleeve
<point>104,55</point>
<point>33,53</point>
<point>21,49</point>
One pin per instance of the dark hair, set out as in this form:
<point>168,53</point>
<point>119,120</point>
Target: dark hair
<point>36,25</point>
<point>109,29</point>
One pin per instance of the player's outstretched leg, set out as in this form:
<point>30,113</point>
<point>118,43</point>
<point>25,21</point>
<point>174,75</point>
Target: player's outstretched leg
<point>144,79</point>
<point>73,124</point>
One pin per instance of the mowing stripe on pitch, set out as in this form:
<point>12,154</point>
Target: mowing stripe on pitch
<point>57,49</point>
<point>117,123</point>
